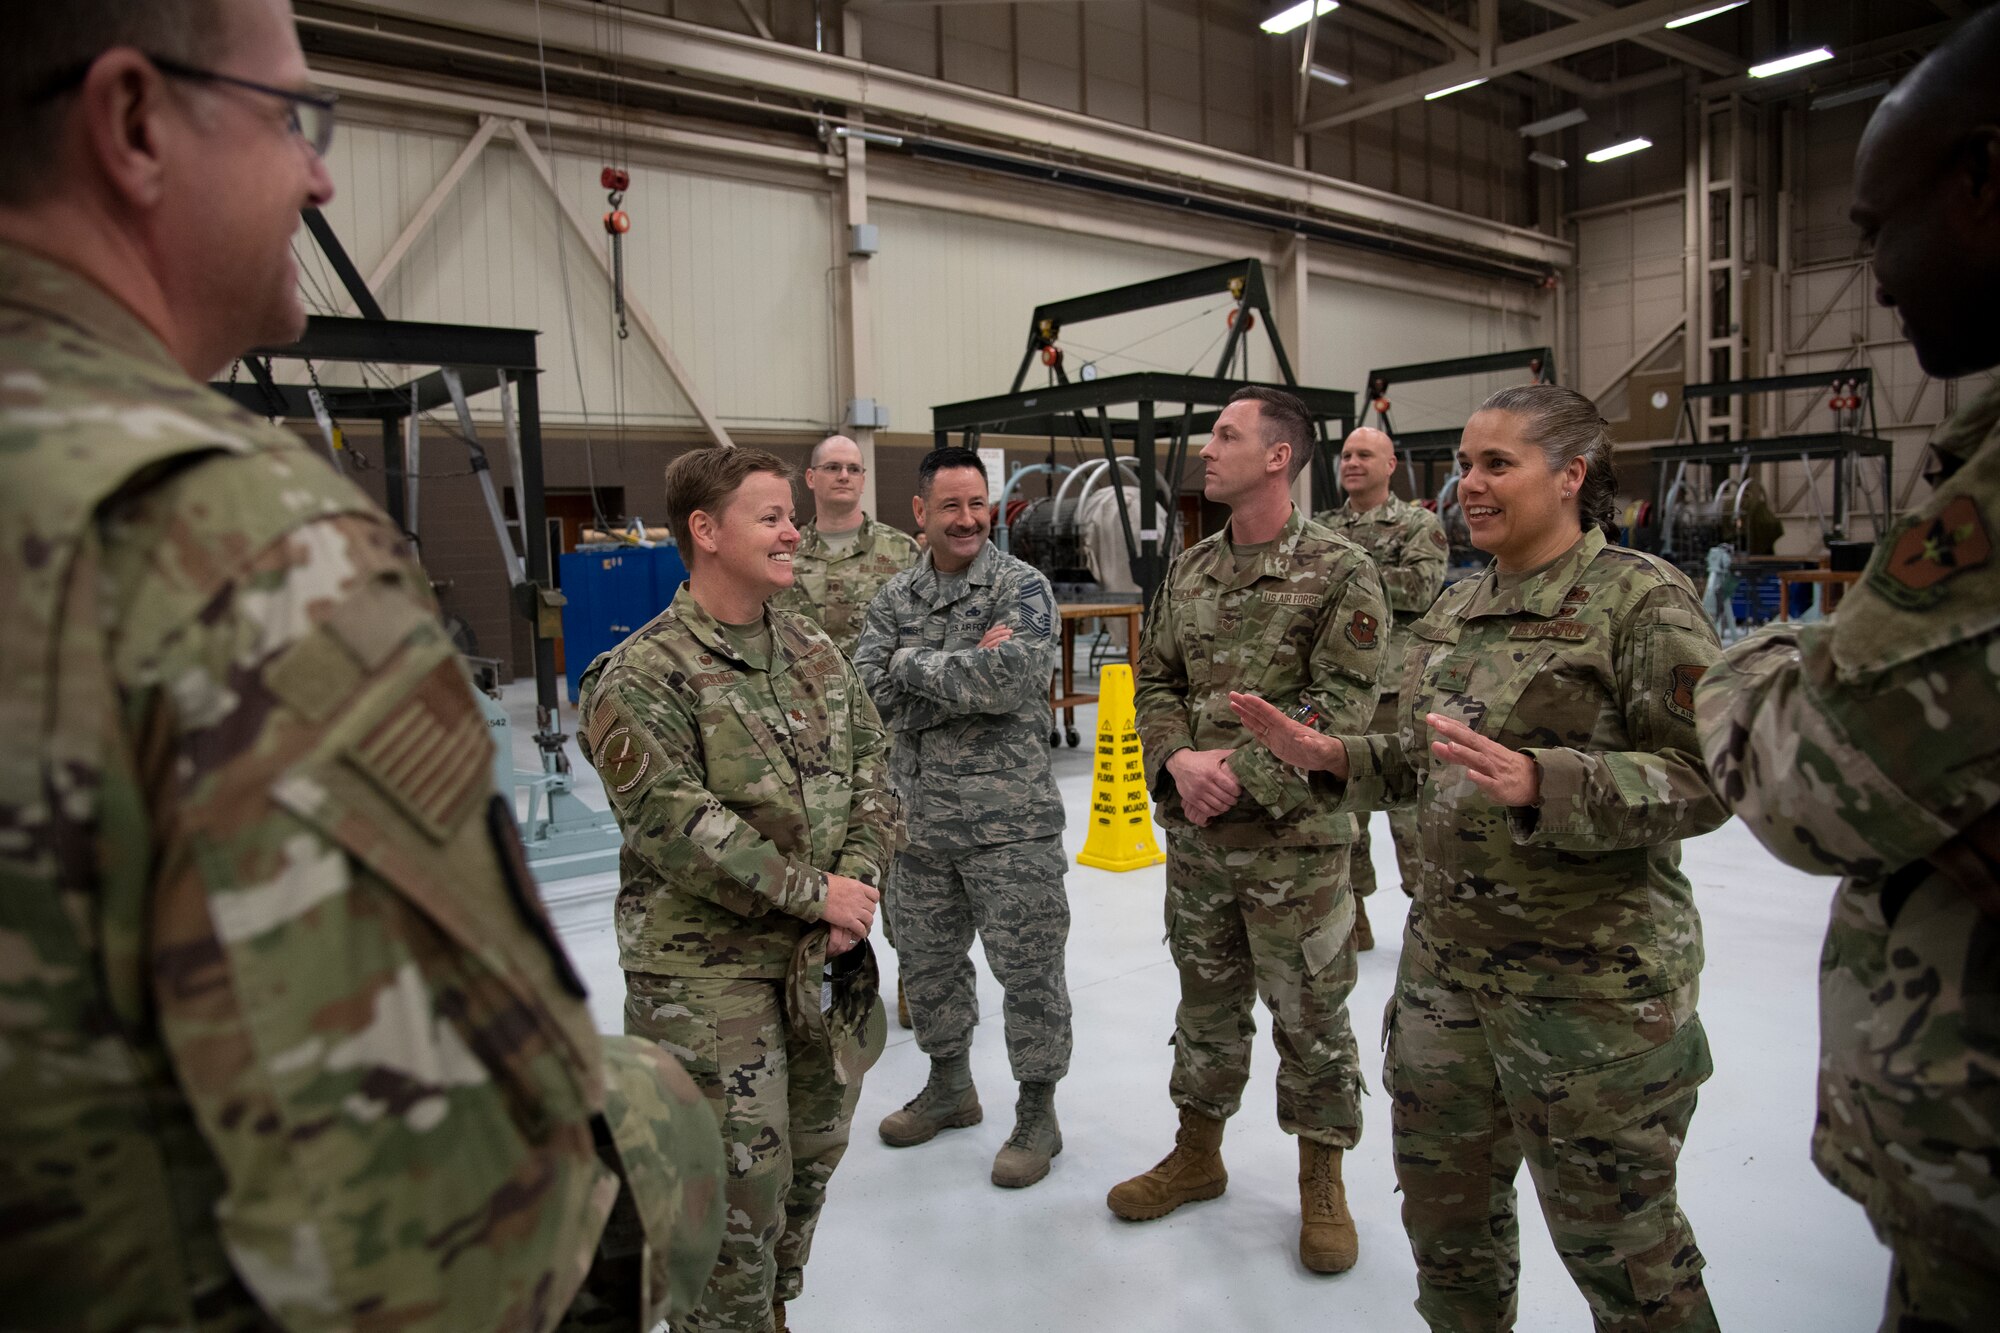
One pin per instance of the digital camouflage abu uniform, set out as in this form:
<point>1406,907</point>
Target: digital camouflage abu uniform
<point>1408,546</point>
<point>832,587</point>
<point>286,1040</point>
<point>741,776</point>
<point>1866,747</point>
<point>971,762</point>
<point>1545,1004</point>
<point>1258,901</point>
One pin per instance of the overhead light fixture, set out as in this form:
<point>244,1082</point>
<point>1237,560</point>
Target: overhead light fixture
<point>1549,160</point>
<point>1455,88</point>
<point>1562,120</point>
<point>1619,150</point>
<point>868,136</point>
<point>1325,75</point>
<point>1846,96</point>
<point>1286,19</point>
<point>1786,64</point>
<point>1706,14</point>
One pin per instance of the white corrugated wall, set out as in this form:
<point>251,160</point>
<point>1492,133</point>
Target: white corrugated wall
<point>734,273</point>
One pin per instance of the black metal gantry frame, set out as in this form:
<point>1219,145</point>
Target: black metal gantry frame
<point>1200,398</point>
<point>1434,447</point>
<point>1842,447</point>
<point>484,358</point>
<point>1068,405</point>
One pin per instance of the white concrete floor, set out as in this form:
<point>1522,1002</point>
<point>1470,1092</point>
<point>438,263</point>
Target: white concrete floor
<point>919,1239</point>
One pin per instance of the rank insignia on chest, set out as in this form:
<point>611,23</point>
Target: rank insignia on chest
<point>1929,552</point>
<point>1680,695</point>
<point>1363,630</point>
<point>1453,677</point>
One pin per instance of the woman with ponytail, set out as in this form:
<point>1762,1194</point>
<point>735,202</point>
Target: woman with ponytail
<point>1545,1004</point>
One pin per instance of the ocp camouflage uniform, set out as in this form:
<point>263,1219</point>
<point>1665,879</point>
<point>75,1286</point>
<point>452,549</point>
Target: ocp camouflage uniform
<point>971,762</point>
<point>1258,901</point>
<point>833,587</point>
<point>286,1039</point>
<point>1408,546</point>
<point>740,784</point>
<point>1545,1002</point>
<point>1865,746</point>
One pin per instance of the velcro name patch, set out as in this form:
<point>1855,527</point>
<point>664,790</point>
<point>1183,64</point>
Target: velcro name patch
<point>1550,629</point>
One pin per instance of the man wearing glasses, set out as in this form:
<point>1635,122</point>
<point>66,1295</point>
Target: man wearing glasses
<point>844,556</point>
<point>285,1037</point>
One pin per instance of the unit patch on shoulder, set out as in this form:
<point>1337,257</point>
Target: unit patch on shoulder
<point>1439,540</point>
<point>1363,630</point>
<point>1928,553</point>
<point>622,761</point>
<point>1680,695</point>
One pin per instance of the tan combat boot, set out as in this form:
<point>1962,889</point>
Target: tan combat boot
<point>778,1318</point>
<point>1036,1140</point>
<point>1193,1171</point>
<point>1327,1243</point>
<point>948,1101</point>
<point>1364,934</point>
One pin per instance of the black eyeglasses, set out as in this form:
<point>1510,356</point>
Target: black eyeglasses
<point>310,114</point>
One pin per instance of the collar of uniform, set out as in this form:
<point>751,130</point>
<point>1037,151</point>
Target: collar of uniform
<point>1275,562</point>
<point>1971,427</point>
<point>811,543</point>
<point>707,631</point>
<point>1381,513</point>
<point>1542,594</point>
<point>33,282</point>
<point>984,569</point>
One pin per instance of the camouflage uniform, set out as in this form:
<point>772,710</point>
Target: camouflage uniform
<point>739,786</point>
<point>1864,746</point>
<point>1545,1004</point>
<point>288,1040</point>
<point>1408,546</point>
<point>971,763</point>
<point>1258,901</point>
<point>832,588</point>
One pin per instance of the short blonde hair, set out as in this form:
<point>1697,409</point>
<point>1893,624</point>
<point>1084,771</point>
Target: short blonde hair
<point>705,478</point>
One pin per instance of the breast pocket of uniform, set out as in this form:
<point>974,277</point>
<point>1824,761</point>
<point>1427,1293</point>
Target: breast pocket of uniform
<point>733,768</point>
<point>820,716</point>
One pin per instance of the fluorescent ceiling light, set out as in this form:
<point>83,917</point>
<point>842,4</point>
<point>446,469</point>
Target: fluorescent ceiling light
<point>1455,88</point>
<point>1325,75</point>
<point>1706,14</point>
<point>1849,95</point>
<point>1549,160</point>
<point>1618,150</point>
<point>1786,64</point>
<point>1286,19</point>
<point>1562,120</point>
<point>868,136</point>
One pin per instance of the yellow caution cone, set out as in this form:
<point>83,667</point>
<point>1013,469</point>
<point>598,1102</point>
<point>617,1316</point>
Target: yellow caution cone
<point>1121,824</point>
